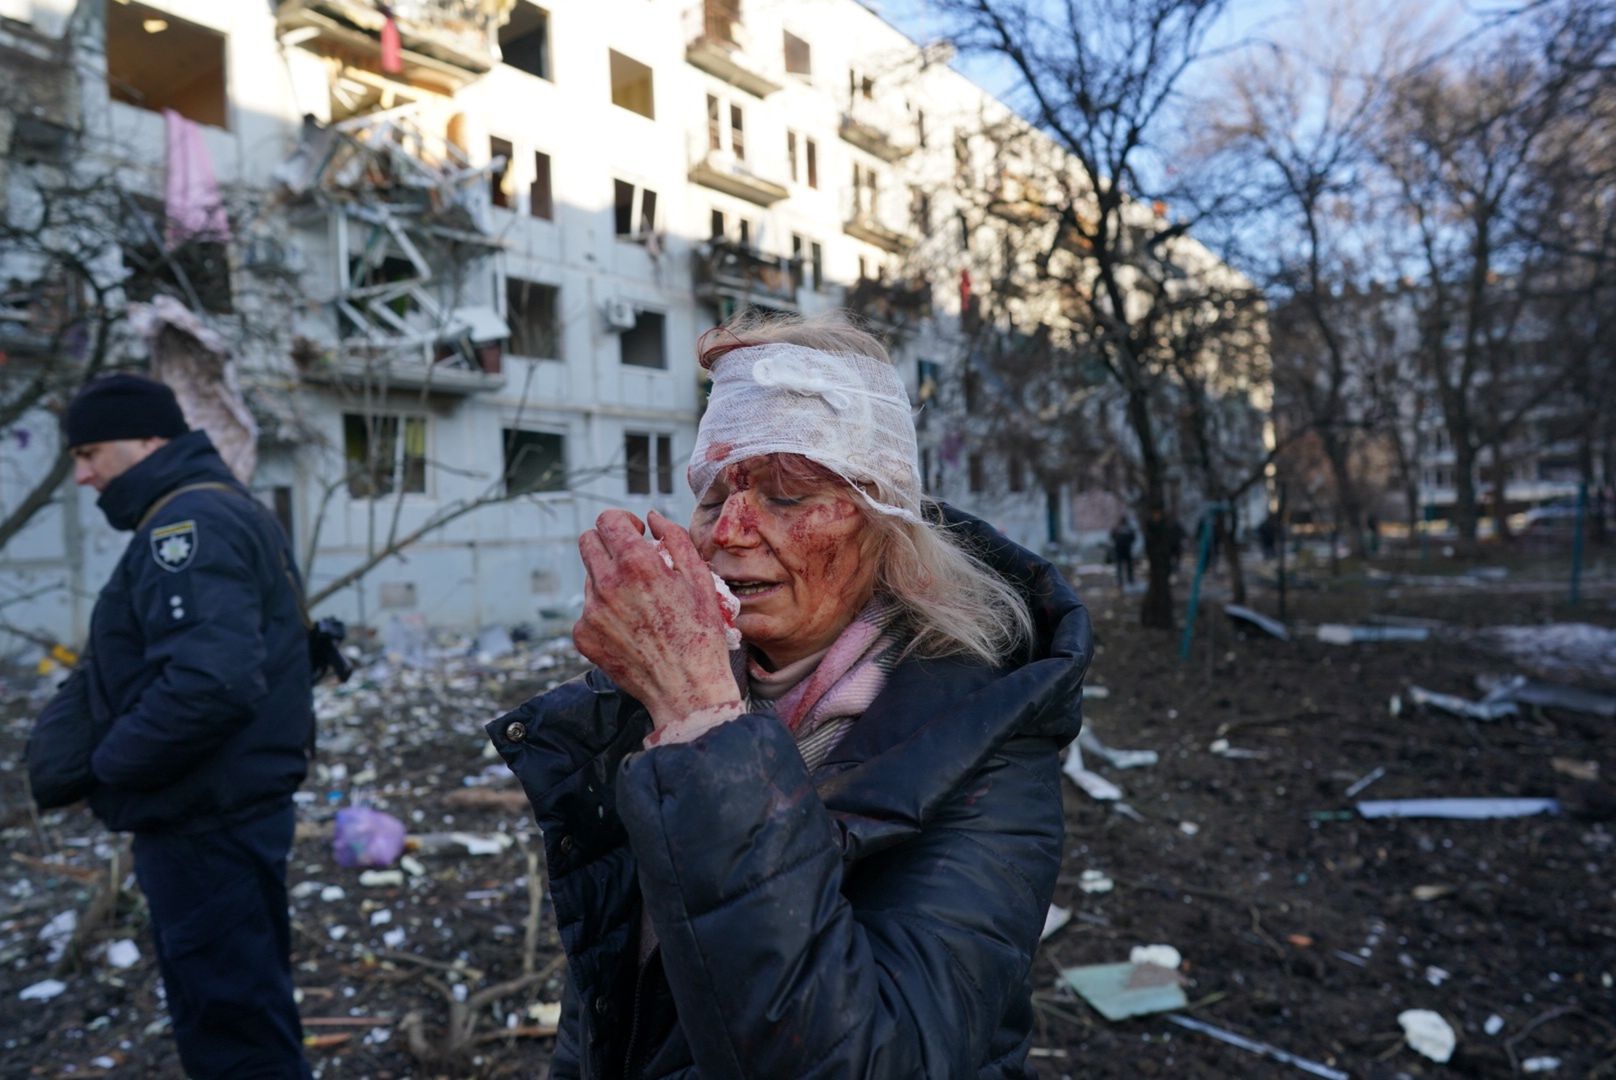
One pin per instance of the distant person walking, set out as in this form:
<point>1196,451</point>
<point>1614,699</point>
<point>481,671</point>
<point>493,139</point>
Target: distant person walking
<point>187,722</point>
<point>1122,539</point>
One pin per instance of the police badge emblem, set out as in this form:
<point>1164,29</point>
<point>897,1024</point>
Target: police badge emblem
<point>174,546</point>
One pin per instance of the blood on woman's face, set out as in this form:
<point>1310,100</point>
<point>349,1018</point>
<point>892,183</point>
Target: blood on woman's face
<point>793,545</point>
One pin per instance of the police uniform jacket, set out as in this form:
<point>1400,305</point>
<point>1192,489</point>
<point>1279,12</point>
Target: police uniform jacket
<point>198,666</point>
<point>876,918</point>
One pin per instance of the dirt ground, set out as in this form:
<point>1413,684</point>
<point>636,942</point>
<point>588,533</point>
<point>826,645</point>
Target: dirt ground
<point>1302,925</point>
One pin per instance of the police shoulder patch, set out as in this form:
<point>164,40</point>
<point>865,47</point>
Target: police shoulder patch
<point>174,546</point>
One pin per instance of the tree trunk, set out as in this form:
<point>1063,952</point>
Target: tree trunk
<point>1348,507</point>
<point>1464,486</point>
<point>1500,493</point>
<point>1229,528</point>
<point>1156,610</point>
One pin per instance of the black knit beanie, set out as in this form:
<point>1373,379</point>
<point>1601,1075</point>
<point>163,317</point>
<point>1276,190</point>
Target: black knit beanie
<point>122,406</point>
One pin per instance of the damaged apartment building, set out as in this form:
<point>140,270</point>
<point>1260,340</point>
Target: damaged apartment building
<point>439,266</point>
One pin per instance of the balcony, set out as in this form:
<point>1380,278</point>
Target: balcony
<point>867,226</point>
<point>724,270</point>
<point>722,171</point>
<point>890,304</point>
<point>865,131</point>
<point>449,42</point>
<point>719,48</point>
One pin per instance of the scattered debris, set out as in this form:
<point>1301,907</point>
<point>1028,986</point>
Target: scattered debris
<point>1264,1049</point>
<point>1573,651</point>
<point>1338,634</point>
<point>1096,693</point>
<point>1222,748</point>
<point>123,953</point>
<point>1494,1024</point>
<point>1244,616</point>
<point>1120,759</point>
<point>1095,881</point>
<point>379,879</point>
<point>1161,955</point>
<point>1188,828</point>
<point>43,990</point>
<point>1458,809</point>
<point>366,838</point>
<point>1540,1064</point>
<point>1364,781</point>
<point>1118,991</point>
<point>1091,783</point>
<point>1054,919</point>
<point>1458,706</point>
<point>1428,1034</point>
<point>1426,893</point>
<point>1577,770</point>
<point>1546,695</point>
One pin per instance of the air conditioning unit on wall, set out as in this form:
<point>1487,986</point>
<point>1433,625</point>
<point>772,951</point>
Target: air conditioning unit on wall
<point>620,315</point>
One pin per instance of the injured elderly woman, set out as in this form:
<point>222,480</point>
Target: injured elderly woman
<point>827,850</point>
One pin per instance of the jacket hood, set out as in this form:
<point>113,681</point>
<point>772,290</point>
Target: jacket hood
<point>187,459</point>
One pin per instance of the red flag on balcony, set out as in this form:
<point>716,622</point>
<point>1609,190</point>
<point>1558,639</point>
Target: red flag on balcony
<point>392,47</point>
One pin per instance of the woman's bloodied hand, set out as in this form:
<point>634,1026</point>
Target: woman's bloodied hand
<point>656,630</point>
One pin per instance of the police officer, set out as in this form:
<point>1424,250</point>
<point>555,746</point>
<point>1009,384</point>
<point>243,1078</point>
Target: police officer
<point>198,676</point>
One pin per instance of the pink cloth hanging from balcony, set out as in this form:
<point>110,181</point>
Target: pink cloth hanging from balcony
<point>392,47</point>
<point>192,206</point>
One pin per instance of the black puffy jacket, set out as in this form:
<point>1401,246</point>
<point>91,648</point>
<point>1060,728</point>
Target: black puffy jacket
<point>874,920</point>
<point>198,660</point>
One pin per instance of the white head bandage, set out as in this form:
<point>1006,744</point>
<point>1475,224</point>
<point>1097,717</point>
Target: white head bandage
<point>848,413</point>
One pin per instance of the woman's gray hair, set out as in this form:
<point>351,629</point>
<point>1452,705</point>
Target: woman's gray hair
<point>952,602</point>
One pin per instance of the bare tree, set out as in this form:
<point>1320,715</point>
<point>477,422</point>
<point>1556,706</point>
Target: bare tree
<point>1461,139</point>
<point>1101,80</point>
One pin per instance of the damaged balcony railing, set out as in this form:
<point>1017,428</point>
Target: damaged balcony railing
<point>723,269</point>
<point>892,304</point>
<point>406,214</point>
<point>448,36</point>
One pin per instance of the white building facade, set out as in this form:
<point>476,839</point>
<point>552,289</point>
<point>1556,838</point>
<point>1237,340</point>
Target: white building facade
<point>601,182</point>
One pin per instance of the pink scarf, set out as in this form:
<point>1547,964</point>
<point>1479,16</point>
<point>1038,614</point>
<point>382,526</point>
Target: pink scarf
<point>849,677</point>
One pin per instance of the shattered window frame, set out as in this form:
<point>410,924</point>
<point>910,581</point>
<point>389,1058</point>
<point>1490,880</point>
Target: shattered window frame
<point>646,344</point>
<point>799,55</point>
<point>541,192</point>
<point>633,85</point>
<point>535,461</point>
<point>533,313</point>
<point>151,270</point>
<point>631,201</point>
<point>132,64</point>
<point>385,454</point>
<point>518,47</point>
<point>648,459</point>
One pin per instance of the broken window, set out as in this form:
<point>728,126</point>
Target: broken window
<point>811,153</point>
<point>715,126</point>
<point>540,199</point>
<point>534,461</point>
<point>1017,474</point>
<point>719,19</point>
<point>716,225</point>
<point>791,154</point>
<point>631,86</point>
<point>737,132</point>
<point>499,180</point>
<point>524,41</point>
<point>379,462</point>
<point>532,311</point>
<point>626,197</point>
<point>643,345</point>
<point>637,463</point>
<point>799,60</point>
<point>920,210</point>
<point>646,457</point>
<point>156,61</point>
<point>928,379</point>
<point>197,271</point>
<point>816,260</point>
